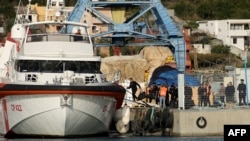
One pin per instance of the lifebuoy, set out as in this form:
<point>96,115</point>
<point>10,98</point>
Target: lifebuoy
<point>201,122</point>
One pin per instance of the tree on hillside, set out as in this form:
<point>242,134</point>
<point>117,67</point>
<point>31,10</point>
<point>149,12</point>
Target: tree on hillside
<point>184,9</point>
<point>205,11</point>
<point>221,49</point>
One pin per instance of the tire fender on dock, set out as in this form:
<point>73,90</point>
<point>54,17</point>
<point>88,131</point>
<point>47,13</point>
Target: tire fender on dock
<point>121,128</point>
<point>122,119</point>
<point>167,120</point>
<point>170,120</point>
<point>125,114</point>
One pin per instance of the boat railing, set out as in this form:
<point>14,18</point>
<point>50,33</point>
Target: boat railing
<point>69,78</point>
<point>57,37</point>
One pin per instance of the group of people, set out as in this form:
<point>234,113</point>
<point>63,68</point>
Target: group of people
<point>204,92</point>
<point>168,96</point>
<point>164,95</point>
<point>160,93</point>
<point>227,93</point>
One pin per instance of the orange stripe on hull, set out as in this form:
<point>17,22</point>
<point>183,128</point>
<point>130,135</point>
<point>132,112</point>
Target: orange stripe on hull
<point>2,85</point>
<point>6,121</point>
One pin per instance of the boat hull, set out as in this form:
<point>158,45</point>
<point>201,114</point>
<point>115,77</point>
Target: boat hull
<point>60,113</point>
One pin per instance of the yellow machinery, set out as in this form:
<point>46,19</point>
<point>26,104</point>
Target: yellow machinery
<point>170,59</point>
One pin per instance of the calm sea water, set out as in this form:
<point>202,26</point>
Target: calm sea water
<point>125,138</point>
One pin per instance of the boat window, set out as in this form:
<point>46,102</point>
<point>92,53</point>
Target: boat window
<point>57,66</point>
<point>27,66</point>
<point>84,67</point>
<point>24,66</point>
<point>90,67</point>
<point>36,33</point>
<point>70,65</point>
<point>53,3</point>
<point>48,32</point>
<point>47,66</point>
<point>33,66</point>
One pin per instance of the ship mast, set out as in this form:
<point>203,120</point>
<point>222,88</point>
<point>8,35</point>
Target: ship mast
<point>28,12</point>
<point>24,18</point>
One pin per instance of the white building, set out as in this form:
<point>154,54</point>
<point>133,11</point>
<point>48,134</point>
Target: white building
<point>234,33</point>
<point>202,48</point>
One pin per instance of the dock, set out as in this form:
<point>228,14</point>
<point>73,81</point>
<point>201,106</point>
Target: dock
<point>196,121</point>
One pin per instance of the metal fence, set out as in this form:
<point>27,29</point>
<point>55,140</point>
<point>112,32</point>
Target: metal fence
<point>195,101</point>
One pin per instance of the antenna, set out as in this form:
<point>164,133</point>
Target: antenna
<point>28,11</point>
<point>16,19</point>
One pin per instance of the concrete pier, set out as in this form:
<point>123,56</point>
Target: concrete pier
<point>208,122</point>
<point>199,122</point>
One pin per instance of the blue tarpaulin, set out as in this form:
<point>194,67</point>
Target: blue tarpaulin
<point>168,75</point>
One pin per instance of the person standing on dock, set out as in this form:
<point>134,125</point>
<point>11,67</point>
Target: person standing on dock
<point>133,85</point>
<point>221,92</point>
<point>229,91</point>
<point>242,92</point>
<point>173,92</point>
<point>201,95</point>
<point>163,92</point>
<point>188,92</point>
<point>207,97</point>
<point>151,92</point>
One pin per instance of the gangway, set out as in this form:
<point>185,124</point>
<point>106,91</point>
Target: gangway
<point>137,29</point>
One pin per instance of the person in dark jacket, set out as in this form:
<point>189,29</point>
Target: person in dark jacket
<point>242,92</point>
<point>153,91</point>
<point>78,35</point>
<point>173,92</point>
<point>229,91</point>
<point>188,92</point>
<point>201,95</point>
<point>133,85</point>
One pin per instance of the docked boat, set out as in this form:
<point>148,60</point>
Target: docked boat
<point>51,83</point>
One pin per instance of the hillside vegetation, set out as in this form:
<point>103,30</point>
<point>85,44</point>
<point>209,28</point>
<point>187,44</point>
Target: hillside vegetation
<point>209,9</point>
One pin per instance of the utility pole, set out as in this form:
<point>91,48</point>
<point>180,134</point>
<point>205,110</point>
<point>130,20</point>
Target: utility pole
<point>245,65</point>
<point>195,59</point>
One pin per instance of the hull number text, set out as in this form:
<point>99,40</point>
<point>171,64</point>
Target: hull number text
<point>16,107</point>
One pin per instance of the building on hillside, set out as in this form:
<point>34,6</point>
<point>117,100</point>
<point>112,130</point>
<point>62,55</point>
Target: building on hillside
<point>202,48</point>
<point>22,15</point>
<point>234,33</point>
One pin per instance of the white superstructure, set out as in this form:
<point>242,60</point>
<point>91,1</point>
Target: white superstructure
<point>51,84</point>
